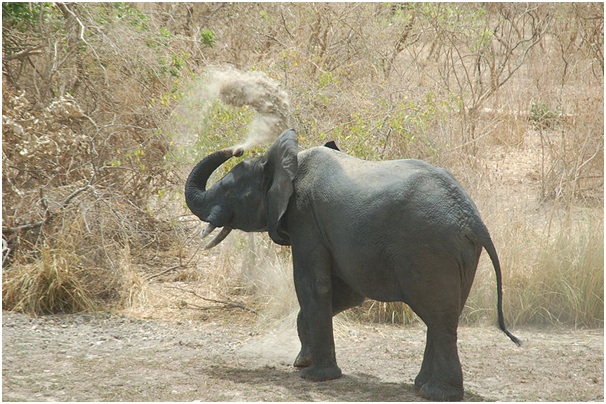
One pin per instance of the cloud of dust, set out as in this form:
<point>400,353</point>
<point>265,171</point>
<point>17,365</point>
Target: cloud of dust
<point>275,343</point>
<point>233,87</point>
<point>268,273</point>
<point>263,94</point>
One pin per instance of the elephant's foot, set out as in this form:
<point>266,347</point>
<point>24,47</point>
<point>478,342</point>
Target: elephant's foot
<point>421,379</point>
<point>318,374</point>
<point>303,359</point>
<point>440,392</point>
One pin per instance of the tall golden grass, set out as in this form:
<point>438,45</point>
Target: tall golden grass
<point>552,275</point>
<point>71,275</point>
<point>51,284</point>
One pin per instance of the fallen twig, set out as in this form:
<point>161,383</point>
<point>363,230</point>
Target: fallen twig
<point>227,304</point>
<point>162,272</point>
<point>187,305</point>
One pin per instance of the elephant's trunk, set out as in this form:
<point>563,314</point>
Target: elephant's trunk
<point>195,187</point>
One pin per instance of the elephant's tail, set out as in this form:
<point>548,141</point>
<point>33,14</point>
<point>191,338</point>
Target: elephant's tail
<point>492,253</point>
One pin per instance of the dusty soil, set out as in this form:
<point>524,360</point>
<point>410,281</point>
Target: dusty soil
<point>226,355</point>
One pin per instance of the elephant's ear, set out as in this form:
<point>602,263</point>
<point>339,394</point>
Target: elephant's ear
<point>332,145</point>
<point>280,170</point>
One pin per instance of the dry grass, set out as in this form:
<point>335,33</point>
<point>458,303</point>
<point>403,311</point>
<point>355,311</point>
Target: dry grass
<point>52,284</point>
<point>551,275</point>
<point>72,273</point>
<point>563,282</point>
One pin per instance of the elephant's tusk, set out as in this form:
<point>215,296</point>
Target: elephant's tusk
<point>209,229</point>
<point>224,232</point>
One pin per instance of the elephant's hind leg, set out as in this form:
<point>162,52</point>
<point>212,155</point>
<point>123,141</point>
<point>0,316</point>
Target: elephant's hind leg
<point>427,366</point>
<point>441,377</point>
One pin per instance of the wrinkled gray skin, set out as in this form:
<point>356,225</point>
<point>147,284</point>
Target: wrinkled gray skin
<point>399,230</point>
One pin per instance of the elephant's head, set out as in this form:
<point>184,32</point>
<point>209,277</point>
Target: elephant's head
<point>253,196</point>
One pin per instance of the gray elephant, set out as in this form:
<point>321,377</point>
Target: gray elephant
<point>399,230</point>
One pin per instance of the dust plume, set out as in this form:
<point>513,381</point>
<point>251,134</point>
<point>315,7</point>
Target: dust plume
<point>237,88</point>
<point>263,94</point>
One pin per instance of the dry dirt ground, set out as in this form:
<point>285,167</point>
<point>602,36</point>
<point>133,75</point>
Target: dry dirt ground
<point>227,355</point>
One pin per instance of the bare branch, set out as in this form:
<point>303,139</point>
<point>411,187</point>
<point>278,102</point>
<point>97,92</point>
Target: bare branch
<point>36,50</point>
<point>65,10</point>
<point>47,214</point>
<point>162,272</point>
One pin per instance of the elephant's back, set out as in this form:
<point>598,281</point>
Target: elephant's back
<point>336,173</point>
<point>410,193</point>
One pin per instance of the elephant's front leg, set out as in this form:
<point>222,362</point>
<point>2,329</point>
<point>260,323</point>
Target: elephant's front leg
<point>314,323</point>
<point>303,359</point>
<point>343,298</point>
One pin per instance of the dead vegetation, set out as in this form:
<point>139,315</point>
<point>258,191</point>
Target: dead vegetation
<point>507,96</point>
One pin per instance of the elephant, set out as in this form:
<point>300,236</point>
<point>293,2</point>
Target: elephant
<point>398,230</point>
